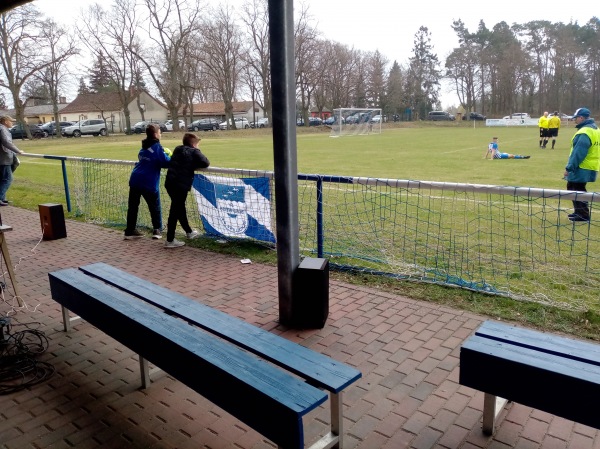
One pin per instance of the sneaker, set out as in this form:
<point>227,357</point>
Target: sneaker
<point>133,235</point>
<point>3,203</point>
<point>576,217</point>
<point>174,244</point>
<point>193,234</point>
<point>526,157</point>
<point>156,234</point>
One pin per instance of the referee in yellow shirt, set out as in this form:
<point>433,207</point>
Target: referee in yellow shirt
<point>553,126</point>
<point>543,124</point>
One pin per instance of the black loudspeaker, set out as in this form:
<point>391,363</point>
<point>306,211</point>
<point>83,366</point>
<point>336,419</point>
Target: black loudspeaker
<point>310,306</point>
<point>52,219</point>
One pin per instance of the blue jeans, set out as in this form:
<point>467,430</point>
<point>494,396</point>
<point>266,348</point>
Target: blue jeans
<point>6,177</point>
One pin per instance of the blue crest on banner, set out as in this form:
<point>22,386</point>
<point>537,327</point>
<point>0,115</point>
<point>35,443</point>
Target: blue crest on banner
<point>234,207</point>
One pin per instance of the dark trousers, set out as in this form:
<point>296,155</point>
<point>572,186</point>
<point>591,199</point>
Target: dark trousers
<point>177,213</point>
<point>152,200</point>
<point>581,207</point>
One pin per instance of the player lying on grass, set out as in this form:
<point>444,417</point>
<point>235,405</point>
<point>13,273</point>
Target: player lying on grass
<point>494,153</point>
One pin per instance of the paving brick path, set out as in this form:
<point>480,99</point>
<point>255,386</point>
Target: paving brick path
<point>407,351</point>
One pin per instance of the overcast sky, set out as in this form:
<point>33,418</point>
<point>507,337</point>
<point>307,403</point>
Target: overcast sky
<point>390,25</point>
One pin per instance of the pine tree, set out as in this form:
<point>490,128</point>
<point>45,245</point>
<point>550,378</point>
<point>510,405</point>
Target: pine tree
<point>395,101</point>
<point>423,81</point>
<point>82,89</point>
<point>100,79</point>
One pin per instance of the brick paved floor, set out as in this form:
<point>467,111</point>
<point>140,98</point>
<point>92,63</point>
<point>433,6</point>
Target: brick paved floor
<point>407,351</point>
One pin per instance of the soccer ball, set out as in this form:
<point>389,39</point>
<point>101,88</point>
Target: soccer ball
<point>168,152</point>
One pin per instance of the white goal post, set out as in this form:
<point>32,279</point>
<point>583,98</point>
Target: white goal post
<point>355,121</point>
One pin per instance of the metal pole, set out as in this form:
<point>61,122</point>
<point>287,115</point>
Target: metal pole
<point>283,85</point>
<point>320,235</point>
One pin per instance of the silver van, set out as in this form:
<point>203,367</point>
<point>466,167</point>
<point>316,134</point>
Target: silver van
<point>440,115</point>
<point>95,127</point>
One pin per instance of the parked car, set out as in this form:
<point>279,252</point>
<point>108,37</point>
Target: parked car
<point>140,127</point>
<point>376,119</point>
<point>169,125</point>
<point>94,127</point>
<point>312,121</point>
<point>333,119</point>
<point>359,117</point>
<point>204,124</point>
<point>240,123</point>
<point>563,116</point>
<point>20,132</point>
<point>50,127</point>
<point>260,123</point>
<point>440,115</point>
<point>474,116</point>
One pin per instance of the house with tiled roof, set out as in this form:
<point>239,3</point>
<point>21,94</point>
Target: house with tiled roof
<point>241,109</point>
<point>107,106</point>
<point>39,114</point>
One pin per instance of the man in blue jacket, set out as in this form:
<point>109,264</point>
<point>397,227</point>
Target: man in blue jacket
<point>584,161</point>
<point>144,182</point>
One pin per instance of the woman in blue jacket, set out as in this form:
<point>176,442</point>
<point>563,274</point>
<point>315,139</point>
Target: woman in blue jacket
<point>144,182</point>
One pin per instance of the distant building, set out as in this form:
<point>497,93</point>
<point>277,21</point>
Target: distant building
<point>107,106</point>
<point>40,114</point>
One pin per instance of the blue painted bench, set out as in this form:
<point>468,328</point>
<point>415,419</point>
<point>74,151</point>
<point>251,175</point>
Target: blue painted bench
<point>184,337</point>
<point>555,374</point>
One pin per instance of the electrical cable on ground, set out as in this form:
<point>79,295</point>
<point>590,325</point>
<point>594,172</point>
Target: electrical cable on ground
<point>19,368</point>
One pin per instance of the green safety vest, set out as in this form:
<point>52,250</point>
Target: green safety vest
<point>592,160</point>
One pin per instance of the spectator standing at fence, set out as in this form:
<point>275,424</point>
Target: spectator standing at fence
<point>180,176</point>
<point>144,183</point>
<point>543,125</point>
<point>8,158</point>
<point>584,161</point>
<point>493,152</point>
<point>553,126</point>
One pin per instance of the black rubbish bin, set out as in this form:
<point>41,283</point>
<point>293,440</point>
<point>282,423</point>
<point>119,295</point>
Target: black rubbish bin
<point>310,306</point>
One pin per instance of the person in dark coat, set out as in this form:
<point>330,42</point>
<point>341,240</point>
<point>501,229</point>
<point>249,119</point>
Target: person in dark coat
<point>186,159</point>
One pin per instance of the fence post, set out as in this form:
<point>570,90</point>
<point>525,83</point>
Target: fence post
<point>66,183</point>
<point>320,236</point>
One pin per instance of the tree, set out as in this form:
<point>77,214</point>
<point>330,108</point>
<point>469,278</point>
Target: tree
<point>256,20</point>
<point>376,65</point>
<point>62,47</point>
<point>83,88</point>
<point>20,54</point>
<point>101,73</point>
<point>423,80</point>
<point>462,67</point>
<point>173,28</point>
<point>111,37</point>
<point>222,56</point>
<point>394,101</point>
<point>307,71</point>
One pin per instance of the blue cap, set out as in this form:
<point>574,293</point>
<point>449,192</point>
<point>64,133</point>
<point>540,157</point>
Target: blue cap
<point>582,112</point>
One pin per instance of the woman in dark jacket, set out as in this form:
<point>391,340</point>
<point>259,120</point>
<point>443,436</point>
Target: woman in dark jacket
<point>186,159</point>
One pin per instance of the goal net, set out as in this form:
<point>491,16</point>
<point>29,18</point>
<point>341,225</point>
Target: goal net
<point>355,121</point>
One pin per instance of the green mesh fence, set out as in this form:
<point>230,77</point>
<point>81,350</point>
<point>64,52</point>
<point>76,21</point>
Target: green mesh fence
<point>515,242</point>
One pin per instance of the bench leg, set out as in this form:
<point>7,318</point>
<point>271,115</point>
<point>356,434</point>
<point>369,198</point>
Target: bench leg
<point>66,319</point>
<point>333,440</point>
<point>492,406</point>
<point>144,372</point>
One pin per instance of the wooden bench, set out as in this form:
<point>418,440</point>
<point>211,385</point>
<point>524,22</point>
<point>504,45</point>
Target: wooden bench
<point>555,374</point>
<point>185,338</point>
